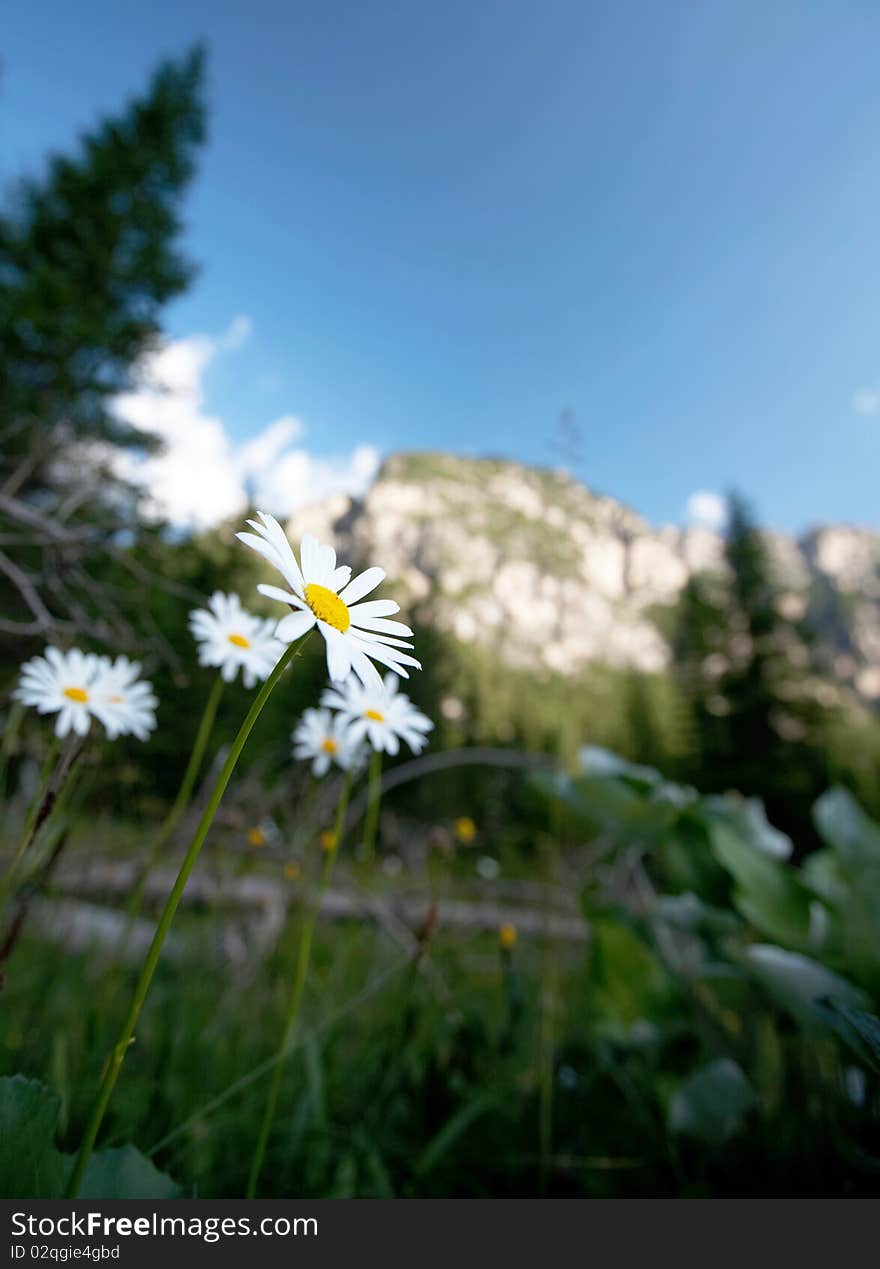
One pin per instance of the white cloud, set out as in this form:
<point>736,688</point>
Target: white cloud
<point>202,476</point>
<point>707,509</point>
<point>867,401</point>
<point>238,332</point>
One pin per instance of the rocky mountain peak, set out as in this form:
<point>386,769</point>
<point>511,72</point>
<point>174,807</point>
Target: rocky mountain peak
<point>530,563</point>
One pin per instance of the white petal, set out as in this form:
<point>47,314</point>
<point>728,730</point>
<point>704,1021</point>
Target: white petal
<point>310,554</point>
<point>278,538</point>
<point>294,625</point>
<point>365,670</point>
<point>362,585</point>
<point>379,624</point>
<point>328,563</point>
<point>338,651</point>
<point>392,658</point>
<point>339,577</point>
<point>283,596</point>
<point>264,548</point>
<point>376,608</point>
<point>81,720</point>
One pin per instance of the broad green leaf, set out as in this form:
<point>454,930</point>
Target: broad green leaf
<point>686,911</point>
<point>846,828</point>
<point>748,817</point>
<point>860,1030</point>
<point>766,892</point>
<point>629,981</point>
<point>30,1164</point>
<point>712,1103</point>
<point>798,984</point>
<point>125,1173</point>
<point>821,872</point>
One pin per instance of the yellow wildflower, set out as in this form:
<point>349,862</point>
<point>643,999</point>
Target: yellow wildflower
<point>507,937</point>
<point>465,830</point>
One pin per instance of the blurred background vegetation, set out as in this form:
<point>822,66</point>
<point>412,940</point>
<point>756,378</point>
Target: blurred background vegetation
<point>689,1006</point>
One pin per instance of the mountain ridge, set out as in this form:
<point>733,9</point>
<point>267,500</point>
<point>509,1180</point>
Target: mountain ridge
<point>532,564</point>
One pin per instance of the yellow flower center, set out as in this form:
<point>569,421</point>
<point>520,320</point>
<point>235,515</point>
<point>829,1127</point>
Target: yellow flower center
<point>239,641</point>
<point>328,840</point>
<point>78,694</point>
<point>329,745</point>
<point>327,606</point>
<point>256,837</point>
<point>375,715</point>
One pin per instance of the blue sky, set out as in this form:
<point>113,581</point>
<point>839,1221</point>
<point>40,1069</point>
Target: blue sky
<point>448,222</point>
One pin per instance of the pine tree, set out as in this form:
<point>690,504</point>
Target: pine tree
<point>743,670</point>
<point>89,254</point>
<point>645,742</point>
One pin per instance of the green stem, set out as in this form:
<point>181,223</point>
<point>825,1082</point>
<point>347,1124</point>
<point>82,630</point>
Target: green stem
<point>181,802</point>
<point>371,819</point>
<point>10,736</point>
<point>299,982</point>
<point>117,1055</point>
<point>549,1004</point>
<point>36,817</point>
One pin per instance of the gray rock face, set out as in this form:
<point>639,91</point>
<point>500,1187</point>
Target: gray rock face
<point>531,564</point>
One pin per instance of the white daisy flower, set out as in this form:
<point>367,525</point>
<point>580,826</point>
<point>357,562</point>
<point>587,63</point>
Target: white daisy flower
<point>383,715</point>
<point>321,593</point>
<point>121,701</point>
<point>230,637</point>
<point>61,683</point>
<point>326,738</point>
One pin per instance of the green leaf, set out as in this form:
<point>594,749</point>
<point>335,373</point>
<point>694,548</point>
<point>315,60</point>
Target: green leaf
<point>628,980</point>
<point>748,818</point>
<point>125,1173</point>
<point>798,984</point>
<point>846,828</point>
<point>712,1103</point>
<point>860,1030</point>
<point>766,893</point>
<point>687,911</point>
<point>600,764</point>
<point>821,872</point>
<point>30,1164</point>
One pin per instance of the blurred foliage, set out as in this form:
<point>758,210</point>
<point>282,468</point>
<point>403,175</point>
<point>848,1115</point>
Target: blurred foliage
<point>718,1035</point>
<point>89,255</point>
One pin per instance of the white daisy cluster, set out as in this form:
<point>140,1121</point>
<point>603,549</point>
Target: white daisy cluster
<point>79,686</point>
<point>380,716</point>
<point>359,710</point>
<point>354,719</point>
<point>231,638</point>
